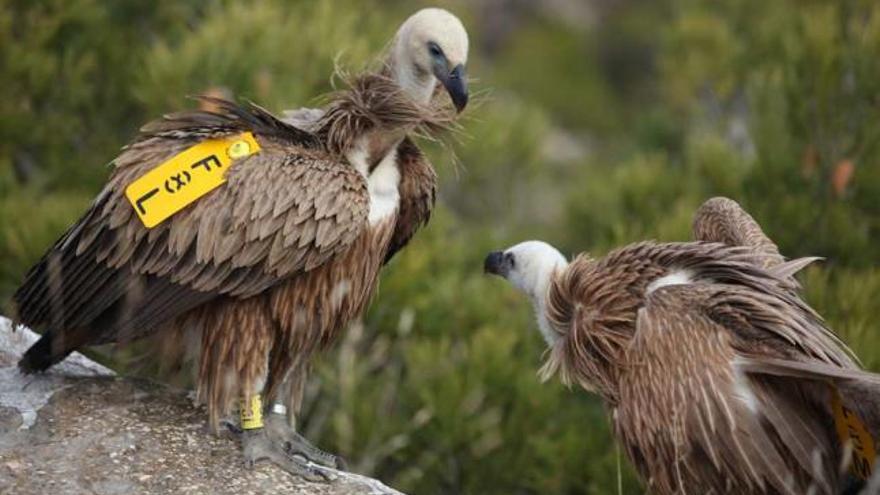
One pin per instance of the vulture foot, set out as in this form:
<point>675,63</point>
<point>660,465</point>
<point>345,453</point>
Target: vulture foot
<point>258,445</point>
<point>296,445</point>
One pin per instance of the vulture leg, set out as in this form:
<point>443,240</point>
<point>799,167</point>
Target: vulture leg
<point>240,333</point>
<point>260,441</point>
<point>287,397</point>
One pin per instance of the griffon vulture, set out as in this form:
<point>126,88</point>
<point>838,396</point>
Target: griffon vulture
<point>276,245</point>
<point>718,378</point>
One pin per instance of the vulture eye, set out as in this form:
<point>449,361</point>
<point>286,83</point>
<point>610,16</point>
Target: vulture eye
<point>510,259</point>
<point>434,49</point>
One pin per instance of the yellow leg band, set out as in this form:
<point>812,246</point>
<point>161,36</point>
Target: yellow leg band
<point>252,413</point>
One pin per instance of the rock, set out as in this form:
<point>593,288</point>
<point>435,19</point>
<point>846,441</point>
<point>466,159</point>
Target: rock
<point>79,428</point>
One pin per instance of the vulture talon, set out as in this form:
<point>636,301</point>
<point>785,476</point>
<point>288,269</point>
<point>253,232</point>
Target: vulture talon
<point>258,446</point>
<point>296,445</point>
<point>299,446</point>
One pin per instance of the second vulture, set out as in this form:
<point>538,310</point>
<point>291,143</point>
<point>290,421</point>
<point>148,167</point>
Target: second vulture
<point>717,376</point>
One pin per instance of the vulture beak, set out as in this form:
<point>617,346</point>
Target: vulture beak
<point>497,264</point>
<point>455,82</point>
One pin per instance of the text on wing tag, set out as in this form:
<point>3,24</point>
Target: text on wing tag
<point>186,177</point>
<point>853,433</point>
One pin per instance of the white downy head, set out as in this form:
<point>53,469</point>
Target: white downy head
<point>430,47</point>
<point>530,267</point>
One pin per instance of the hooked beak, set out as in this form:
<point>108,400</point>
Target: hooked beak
<point>497,264</point>
<point>455,82</point>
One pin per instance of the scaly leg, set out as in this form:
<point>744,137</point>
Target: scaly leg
<point>258,443</point>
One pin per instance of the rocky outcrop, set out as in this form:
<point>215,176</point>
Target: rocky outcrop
<point>81,429</point>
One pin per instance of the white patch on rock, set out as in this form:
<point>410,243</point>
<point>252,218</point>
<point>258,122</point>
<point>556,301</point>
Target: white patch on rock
<point>27,394</point>
<point>680,277</point>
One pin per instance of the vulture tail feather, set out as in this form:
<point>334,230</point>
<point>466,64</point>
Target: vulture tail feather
<point>859,389</point>
<point>789,268</point>
<point>812,370</point>
<point>42,355</point>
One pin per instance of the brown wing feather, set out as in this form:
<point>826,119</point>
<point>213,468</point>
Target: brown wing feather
<point>418,190</point>
<point>771,320</point>
<point>285,210</point>
<point>860,389</point>
<point>683,402</point>
<point>724,220</point>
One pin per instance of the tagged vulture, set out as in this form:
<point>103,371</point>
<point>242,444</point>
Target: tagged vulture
<point>718,377</point>
<point>265,269</point>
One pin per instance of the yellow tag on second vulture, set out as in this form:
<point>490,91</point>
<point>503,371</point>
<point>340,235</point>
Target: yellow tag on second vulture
<point>851,429</point>
<point>186,177</point>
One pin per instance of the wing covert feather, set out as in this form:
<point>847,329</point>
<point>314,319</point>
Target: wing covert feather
<point>283,210</point>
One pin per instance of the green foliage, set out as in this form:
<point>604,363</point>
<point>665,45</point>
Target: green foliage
<point>66,72</point>
<point>587,136</point>
<point>277,53</point>
<point>26,230</point>
<point>536,57</point>
<point>804,76</point>
<point>496,155</point>
<point>848,300</point>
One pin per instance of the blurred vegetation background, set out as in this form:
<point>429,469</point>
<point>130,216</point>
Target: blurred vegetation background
<point>602,122</point>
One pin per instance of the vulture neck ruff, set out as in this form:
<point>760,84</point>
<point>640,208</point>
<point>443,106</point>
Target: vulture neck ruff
<point>375,104</point>
<point>366,123</point>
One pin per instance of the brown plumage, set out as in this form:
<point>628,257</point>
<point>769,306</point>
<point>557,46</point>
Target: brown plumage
<point>267,269</point>
<point>716,374</point>
<point>723,220</point>
<point>287,211</point>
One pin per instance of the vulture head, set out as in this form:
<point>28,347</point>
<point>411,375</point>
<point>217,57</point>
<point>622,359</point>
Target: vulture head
<point>530,266</point>
<point>431,47</point>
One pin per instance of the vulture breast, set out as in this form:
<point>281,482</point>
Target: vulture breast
<point>383,181</point>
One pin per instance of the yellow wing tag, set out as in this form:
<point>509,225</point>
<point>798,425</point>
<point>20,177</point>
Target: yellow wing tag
<point>852,431</point>
<point>186,177</point>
